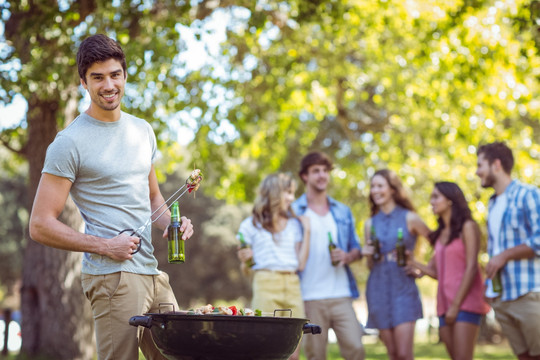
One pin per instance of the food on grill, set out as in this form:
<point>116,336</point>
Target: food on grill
<point>249,312</point>
<point>223,310</point>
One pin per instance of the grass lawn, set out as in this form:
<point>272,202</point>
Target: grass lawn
<point>428,351</point>
<point>423,350</point>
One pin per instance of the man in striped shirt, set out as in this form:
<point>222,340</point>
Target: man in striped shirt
<point>514,249</point>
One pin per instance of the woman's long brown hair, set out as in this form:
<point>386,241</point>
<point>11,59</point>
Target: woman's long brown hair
<point>460,211</point>
<point>267,207</point>
<point>400,196</point>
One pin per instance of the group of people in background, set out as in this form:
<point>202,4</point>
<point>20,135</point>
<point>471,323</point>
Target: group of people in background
<point>294,268</point>
<point>288,237</point>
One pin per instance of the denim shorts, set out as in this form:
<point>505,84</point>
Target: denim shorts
<point>464,316</point>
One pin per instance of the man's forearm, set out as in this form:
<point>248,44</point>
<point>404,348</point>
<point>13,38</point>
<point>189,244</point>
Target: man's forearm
<point>53,233</point>
<point>165,218</point>
<point>518,252</point>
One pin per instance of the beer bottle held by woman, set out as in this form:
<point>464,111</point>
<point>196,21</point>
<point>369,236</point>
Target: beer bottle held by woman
<point>243,245</point>
<point>400,249</point>
<point>376,245</point>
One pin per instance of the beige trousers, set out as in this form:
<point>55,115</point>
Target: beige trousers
<point>339,315</point>
<point>272,290</point>
<point>520,322</point>
<point>115,298</point>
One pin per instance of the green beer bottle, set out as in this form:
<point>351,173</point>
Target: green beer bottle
<point>496,283</point>
<point>400,249</point>
<point>243,245</point>
<point>376,245</point>
<point>331,246</point>
<point>176,244</point>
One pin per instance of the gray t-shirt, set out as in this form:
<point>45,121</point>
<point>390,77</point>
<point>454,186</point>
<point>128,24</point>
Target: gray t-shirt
<point>108,164</point>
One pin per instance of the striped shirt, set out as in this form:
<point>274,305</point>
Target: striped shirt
<point>520,225</point>
<point>273,251</point>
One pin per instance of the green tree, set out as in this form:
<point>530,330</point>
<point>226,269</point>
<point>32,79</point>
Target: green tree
<point>398,84</point>
<point>406,85</point>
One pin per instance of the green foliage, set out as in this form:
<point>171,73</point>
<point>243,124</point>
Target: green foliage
<point>403,85</point>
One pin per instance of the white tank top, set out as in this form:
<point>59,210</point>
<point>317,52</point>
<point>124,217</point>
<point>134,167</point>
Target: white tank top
<point>320,280</point>
<point>495,217</point>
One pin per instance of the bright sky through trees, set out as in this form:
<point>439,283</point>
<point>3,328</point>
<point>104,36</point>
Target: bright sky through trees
<point>202,41</point>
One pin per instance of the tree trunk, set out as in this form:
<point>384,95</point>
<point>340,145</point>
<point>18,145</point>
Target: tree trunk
<point>7,321</point>
<point>56,317</point>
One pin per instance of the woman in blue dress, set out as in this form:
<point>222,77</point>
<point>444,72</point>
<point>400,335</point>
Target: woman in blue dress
<point>393,300</point>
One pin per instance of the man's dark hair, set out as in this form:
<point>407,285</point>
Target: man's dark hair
<point>96,49</point>
<point>498,150</point>
<point>314,158</point>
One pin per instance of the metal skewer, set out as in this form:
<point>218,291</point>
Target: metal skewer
<point>138,232</point>
<point>149,222</point>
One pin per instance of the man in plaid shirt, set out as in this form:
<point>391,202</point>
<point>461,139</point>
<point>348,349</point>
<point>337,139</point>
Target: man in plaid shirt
<point>514,249</point>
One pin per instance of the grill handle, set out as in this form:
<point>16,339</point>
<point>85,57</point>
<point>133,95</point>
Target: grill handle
<point>140,320</point>
<point>311,329</point>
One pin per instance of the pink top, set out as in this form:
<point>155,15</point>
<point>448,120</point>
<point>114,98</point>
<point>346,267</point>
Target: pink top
<point>451,263</point>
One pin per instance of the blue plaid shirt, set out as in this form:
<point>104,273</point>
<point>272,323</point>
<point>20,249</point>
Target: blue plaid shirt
<point>347,236</point>
<point>520,225</point>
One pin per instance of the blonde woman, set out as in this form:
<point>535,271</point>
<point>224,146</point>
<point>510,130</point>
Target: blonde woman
<point>279,246</point>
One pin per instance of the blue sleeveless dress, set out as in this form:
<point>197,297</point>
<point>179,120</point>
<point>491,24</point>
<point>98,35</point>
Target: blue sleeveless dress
<point>392,295</point>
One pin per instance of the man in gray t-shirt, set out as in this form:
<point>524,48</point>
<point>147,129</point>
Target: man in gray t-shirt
<point>104,160</point>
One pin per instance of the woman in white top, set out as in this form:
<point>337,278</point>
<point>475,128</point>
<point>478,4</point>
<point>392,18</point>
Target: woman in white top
<point>278,245</point>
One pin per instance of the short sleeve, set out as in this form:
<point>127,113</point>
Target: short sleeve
<point>62,158</point>
<point>153,142</point>
<point>247,230</point>
<point>532,218</point>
